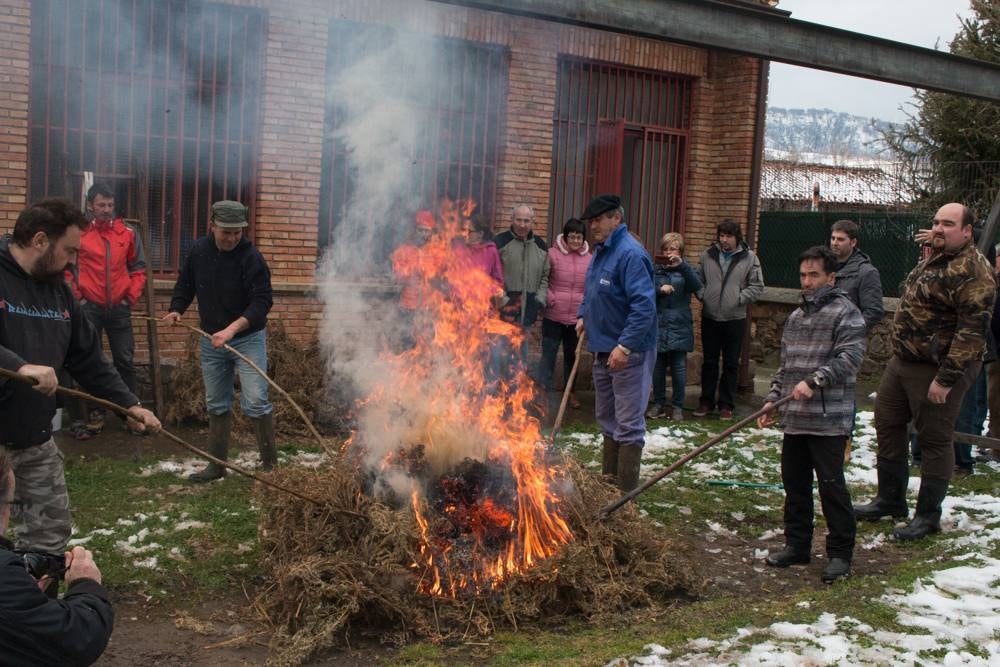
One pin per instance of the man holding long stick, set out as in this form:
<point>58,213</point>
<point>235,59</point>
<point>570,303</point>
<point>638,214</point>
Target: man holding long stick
<point>822,346</point>
<point>43,328</point>
<point>233,285</point>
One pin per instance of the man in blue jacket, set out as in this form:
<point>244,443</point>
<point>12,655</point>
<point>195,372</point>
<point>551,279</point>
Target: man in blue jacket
<point>619,315</point>
<point>233,285</point>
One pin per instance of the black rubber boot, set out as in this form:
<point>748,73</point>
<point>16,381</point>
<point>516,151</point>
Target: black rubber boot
<point>219,427</point>
<point>629,459</point>
<point>788,556</point>
<point>927,518</point>
<point>890,500</point>
<point>264,430</point>
<point>837,568</point>
<point>609,457</point>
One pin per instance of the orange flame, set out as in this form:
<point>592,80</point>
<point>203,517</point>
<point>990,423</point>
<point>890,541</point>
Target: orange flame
<point>448,402</point>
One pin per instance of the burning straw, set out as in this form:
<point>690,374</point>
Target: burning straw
<point>351,569</point>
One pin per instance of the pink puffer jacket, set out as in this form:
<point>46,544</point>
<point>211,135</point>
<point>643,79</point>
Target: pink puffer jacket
<point>566,275</point>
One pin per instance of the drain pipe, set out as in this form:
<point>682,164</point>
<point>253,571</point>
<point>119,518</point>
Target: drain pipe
<point>745,382</point>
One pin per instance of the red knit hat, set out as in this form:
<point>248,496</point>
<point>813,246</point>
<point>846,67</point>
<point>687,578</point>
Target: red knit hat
<point>425,219</point>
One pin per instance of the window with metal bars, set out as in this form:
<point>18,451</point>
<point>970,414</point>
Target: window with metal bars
<point>621,130</point>
<point>457,157</point>
<point>158,98</point>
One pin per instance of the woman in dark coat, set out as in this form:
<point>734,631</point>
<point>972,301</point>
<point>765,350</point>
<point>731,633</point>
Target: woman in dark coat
<point>676,281</point>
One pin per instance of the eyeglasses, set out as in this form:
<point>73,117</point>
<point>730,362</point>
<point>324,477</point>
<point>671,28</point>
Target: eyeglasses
<point>574,237</point>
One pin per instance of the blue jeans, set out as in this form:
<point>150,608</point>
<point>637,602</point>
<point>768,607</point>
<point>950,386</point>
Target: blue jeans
<point>971,416</point>
<point>217,370</point>
<point>621,396</point>
<point>676,360</point>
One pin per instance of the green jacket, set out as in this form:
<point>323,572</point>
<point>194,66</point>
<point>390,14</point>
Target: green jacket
<point>944,312</point>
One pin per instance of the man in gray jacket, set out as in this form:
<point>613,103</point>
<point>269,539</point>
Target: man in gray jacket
<point>821,350</point>
<point>733,280</point>
<point>856,275</point>
<point>525,259</point>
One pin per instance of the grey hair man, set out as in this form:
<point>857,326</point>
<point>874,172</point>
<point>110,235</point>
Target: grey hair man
<point>525,259</point>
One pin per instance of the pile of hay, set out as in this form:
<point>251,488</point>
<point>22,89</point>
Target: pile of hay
<point>296,368</point>
<point>345,569</point>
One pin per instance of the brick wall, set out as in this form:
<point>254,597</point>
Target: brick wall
<point>15,28</point>
<point>292,113</point>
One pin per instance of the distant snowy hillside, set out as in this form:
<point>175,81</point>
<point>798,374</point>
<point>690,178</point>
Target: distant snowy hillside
<point>805,134</point>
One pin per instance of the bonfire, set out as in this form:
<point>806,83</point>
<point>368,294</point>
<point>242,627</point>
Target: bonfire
<point>449,514</point>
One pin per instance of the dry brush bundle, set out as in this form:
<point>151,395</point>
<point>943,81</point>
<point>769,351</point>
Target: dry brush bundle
<point>348,569</point>
<point>296,368</point>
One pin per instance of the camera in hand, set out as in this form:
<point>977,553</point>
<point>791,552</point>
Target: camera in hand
<point>667,260</point>
<point>40,563</point>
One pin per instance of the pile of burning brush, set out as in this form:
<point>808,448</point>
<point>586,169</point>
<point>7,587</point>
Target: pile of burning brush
<point>449,515</point>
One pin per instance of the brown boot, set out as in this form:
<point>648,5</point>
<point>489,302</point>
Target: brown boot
<point>609,458</point>
<point>219,427</point>
<point>264,429</point>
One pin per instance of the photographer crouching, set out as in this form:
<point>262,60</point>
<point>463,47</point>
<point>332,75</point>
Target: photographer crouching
<point>34,628</point>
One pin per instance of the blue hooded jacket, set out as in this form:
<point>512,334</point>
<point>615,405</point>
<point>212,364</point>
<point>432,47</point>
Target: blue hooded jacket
<point>619,303</point>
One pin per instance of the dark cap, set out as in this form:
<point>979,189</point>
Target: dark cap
<point>600,205</point>
<point>229,214</point>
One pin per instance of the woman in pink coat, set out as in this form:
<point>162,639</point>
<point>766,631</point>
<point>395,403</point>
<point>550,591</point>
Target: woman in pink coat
<point>569,258</point>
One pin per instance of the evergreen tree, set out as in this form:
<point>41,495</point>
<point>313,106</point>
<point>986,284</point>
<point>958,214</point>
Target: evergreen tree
<point>952,143</point>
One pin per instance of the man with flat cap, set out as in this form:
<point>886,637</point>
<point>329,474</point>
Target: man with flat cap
<point>618,314</point>
<point>233,285</point>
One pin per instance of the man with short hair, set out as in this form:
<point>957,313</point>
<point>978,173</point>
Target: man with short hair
<point>108,280</point>
<point>822,345</point>
<point>856,275</point>
<point>618,313</point>
<point>938,340</point>
<point>37,629</point>
<point>732,277</point>
<point>42,329</point>
<point>525,259</point>
<point>233,285</point>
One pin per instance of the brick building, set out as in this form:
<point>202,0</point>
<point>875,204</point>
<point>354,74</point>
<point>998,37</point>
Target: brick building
<point>180,103</point>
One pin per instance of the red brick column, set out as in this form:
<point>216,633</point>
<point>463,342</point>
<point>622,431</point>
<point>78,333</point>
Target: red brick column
<point>15,31</point>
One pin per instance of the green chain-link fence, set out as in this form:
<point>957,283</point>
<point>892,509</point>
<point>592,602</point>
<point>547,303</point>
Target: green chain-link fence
<point>885,236</point>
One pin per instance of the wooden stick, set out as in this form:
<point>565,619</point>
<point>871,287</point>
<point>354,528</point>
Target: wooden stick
<point>154,341</point>
<point>615,506</point>
<point>557,425</point>
<point>114,407</point>
<point>305,419</point>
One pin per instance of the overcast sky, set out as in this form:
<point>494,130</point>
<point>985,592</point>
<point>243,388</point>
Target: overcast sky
<point>919,22</point>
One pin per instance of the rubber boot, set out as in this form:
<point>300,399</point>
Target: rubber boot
<point>629,458</point>
<point>219,427</point>
<point>609,458</point>
<point>927,518</point>
<point>890,500</point>
<point>264,429</point>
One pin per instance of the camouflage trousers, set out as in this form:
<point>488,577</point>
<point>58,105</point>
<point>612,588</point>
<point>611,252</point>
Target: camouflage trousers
<point>42,521</point>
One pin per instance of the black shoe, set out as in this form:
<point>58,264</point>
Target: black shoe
<point>927,518</point>
<point>890,500</point>
<point>656,412</point>
<point>787,557</point>
<point>837,568</point>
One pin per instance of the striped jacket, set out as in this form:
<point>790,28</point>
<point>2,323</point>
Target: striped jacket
<point>823,343</point>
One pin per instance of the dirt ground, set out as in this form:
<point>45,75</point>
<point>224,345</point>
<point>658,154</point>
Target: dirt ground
<point>225,632</point>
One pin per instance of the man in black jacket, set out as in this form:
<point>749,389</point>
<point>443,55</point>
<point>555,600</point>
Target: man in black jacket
<point>233,285</point>
<point>42,328</point>
<point>856,275</point>
<point>35,629</point>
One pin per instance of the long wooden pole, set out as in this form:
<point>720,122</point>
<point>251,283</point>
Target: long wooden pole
<point>114,407</point>
<point>291,401</point>
<point>615,506</point>
<point>557,425</point>
<point>153,339</point>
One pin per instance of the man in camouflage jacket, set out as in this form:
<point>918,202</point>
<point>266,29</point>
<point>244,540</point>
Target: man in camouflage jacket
<point>822,346</point>
<point>938,339</point>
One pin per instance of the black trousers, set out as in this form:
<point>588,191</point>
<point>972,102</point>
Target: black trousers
<point>725,338</point>
<point>800,456</point>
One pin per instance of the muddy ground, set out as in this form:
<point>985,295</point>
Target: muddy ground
<point>185,631</point>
